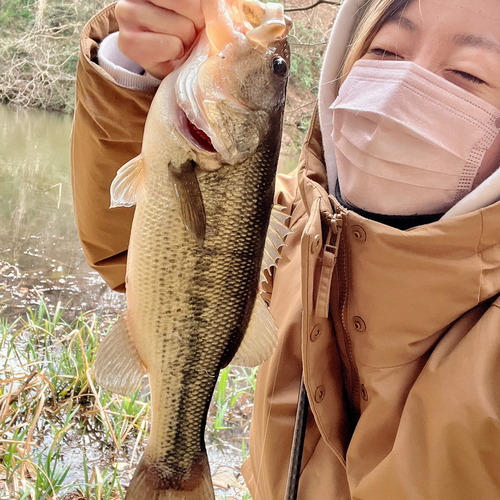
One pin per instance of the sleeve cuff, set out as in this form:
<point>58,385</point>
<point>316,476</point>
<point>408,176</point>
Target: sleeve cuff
<point>123,70</point>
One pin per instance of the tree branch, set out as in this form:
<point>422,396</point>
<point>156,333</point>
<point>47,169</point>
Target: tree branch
<point>318,2</point>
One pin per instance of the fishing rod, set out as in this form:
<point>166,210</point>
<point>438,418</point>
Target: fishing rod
<point>299,432</point>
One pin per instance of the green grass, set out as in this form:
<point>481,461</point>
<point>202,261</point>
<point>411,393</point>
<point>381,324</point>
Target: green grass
<point>105,485</point>
<point>16,13</point>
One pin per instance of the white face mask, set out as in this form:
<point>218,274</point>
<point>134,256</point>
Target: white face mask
<point>406,140</point>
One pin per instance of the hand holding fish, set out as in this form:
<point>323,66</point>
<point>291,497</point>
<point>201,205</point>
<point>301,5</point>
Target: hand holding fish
<point>155,33</point>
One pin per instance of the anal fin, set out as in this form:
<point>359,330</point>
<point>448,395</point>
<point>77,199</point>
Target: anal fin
<point>260,338</point>
<point>118,367</point>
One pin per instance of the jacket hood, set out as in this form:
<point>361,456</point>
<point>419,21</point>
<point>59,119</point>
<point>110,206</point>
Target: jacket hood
<point>348,18</point>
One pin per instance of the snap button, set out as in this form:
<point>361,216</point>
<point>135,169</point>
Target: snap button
<point>315,333</point>
<point>359,324</point>
<point>358,233</point>
<point>320,394</point>
<point>364,392</point>
<point>497,123</point>
<point>316,243</point>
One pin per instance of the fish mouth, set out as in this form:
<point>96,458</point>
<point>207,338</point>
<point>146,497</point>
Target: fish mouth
<point>196,136</point>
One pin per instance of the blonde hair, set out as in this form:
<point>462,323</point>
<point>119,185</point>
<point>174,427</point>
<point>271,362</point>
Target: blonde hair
<point>374,17</point>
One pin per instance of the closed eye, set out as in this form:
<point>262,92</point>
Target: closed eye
<point>469,77</point>
<point>383,53</point>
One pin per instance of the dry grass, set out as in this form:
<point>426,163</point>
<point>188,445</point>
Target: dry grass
<point>48,399</point>
<point>39,45</point>
<point>63,437</point>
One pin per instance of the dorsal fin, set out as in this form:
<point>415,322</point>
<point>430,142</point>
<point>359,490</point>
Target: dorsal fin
<point>275,239</point>
<point>260,338</point>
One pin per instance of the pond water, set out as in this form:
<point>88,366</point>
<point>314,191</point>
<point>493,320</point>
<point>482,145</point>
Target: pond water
<point>40,253</point>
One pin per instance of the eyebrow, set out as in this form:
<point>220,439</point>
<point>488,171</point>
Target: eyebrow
<point>463,40</point>
<point>403,22</point>
<point>477,41</point>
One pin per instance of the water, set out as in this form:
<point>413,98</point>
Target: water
<point>40,253</point>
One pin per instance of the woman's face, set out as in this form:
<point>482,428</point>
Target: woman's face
<point>458,40</point>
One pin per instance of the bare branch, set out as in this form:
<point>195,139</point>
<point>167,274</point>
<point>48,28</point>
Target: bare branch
<point>303,106</point>
<point>315,4</point>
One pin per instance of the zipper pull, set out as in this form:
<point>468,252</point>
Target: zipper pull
<point>336,223</point>
<point>330,253</point>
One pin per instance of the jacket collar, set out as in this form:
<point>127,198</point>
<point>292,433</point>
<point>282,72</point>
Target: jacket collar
<point>313,182</point>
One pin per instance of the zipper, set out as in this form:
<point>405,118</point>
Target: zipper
<point>336,221</point>
<point>352,376</point>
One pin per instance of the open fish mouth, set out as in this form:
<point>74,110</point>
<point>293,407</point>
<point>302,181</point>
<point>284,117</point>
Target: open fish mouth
<point>196,123</point>
<point>201,138</point>
<point>196,136</point>
<point>193,124</point>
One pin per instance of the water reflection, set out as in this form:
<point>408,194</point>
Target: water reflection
<point>40,253</point>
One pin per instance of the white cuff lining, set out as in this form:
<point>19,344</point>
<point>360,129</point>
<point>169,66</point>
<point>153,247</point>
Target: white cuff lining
<point>123,70</point>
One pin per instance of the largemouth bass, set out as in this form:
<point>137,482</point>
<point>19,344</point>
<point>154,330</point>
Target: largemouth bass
<point>203,187</point>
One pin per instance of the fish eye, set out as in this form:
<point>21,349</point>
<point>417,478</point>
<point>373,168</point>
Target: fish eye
<point>279,66</point>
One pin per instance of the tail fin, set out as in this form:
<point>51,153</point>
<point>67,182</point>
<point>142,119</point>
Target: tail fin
<point>156,481</point>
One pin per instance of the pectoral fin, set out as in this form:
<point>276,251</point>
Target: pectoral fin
<point>190,199</point>
<point>118,367</point>
<point>260,338</point>
<point>127,187</point>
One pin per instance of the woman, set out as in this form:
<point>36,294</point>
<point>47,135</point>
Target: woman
<point>387,293</point>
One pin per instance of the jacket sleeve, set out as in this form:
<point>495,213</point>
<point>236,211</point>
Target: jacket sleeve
<point>107,132</point>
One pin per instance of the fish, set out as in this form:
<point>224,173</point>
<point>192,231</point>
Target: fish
<point>203,235</point>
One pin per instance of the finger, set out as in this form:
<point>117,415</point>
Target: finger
<point>186,8</point>
<point>161,70</point>
<point>137,46</point>
<point>148,17</point>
